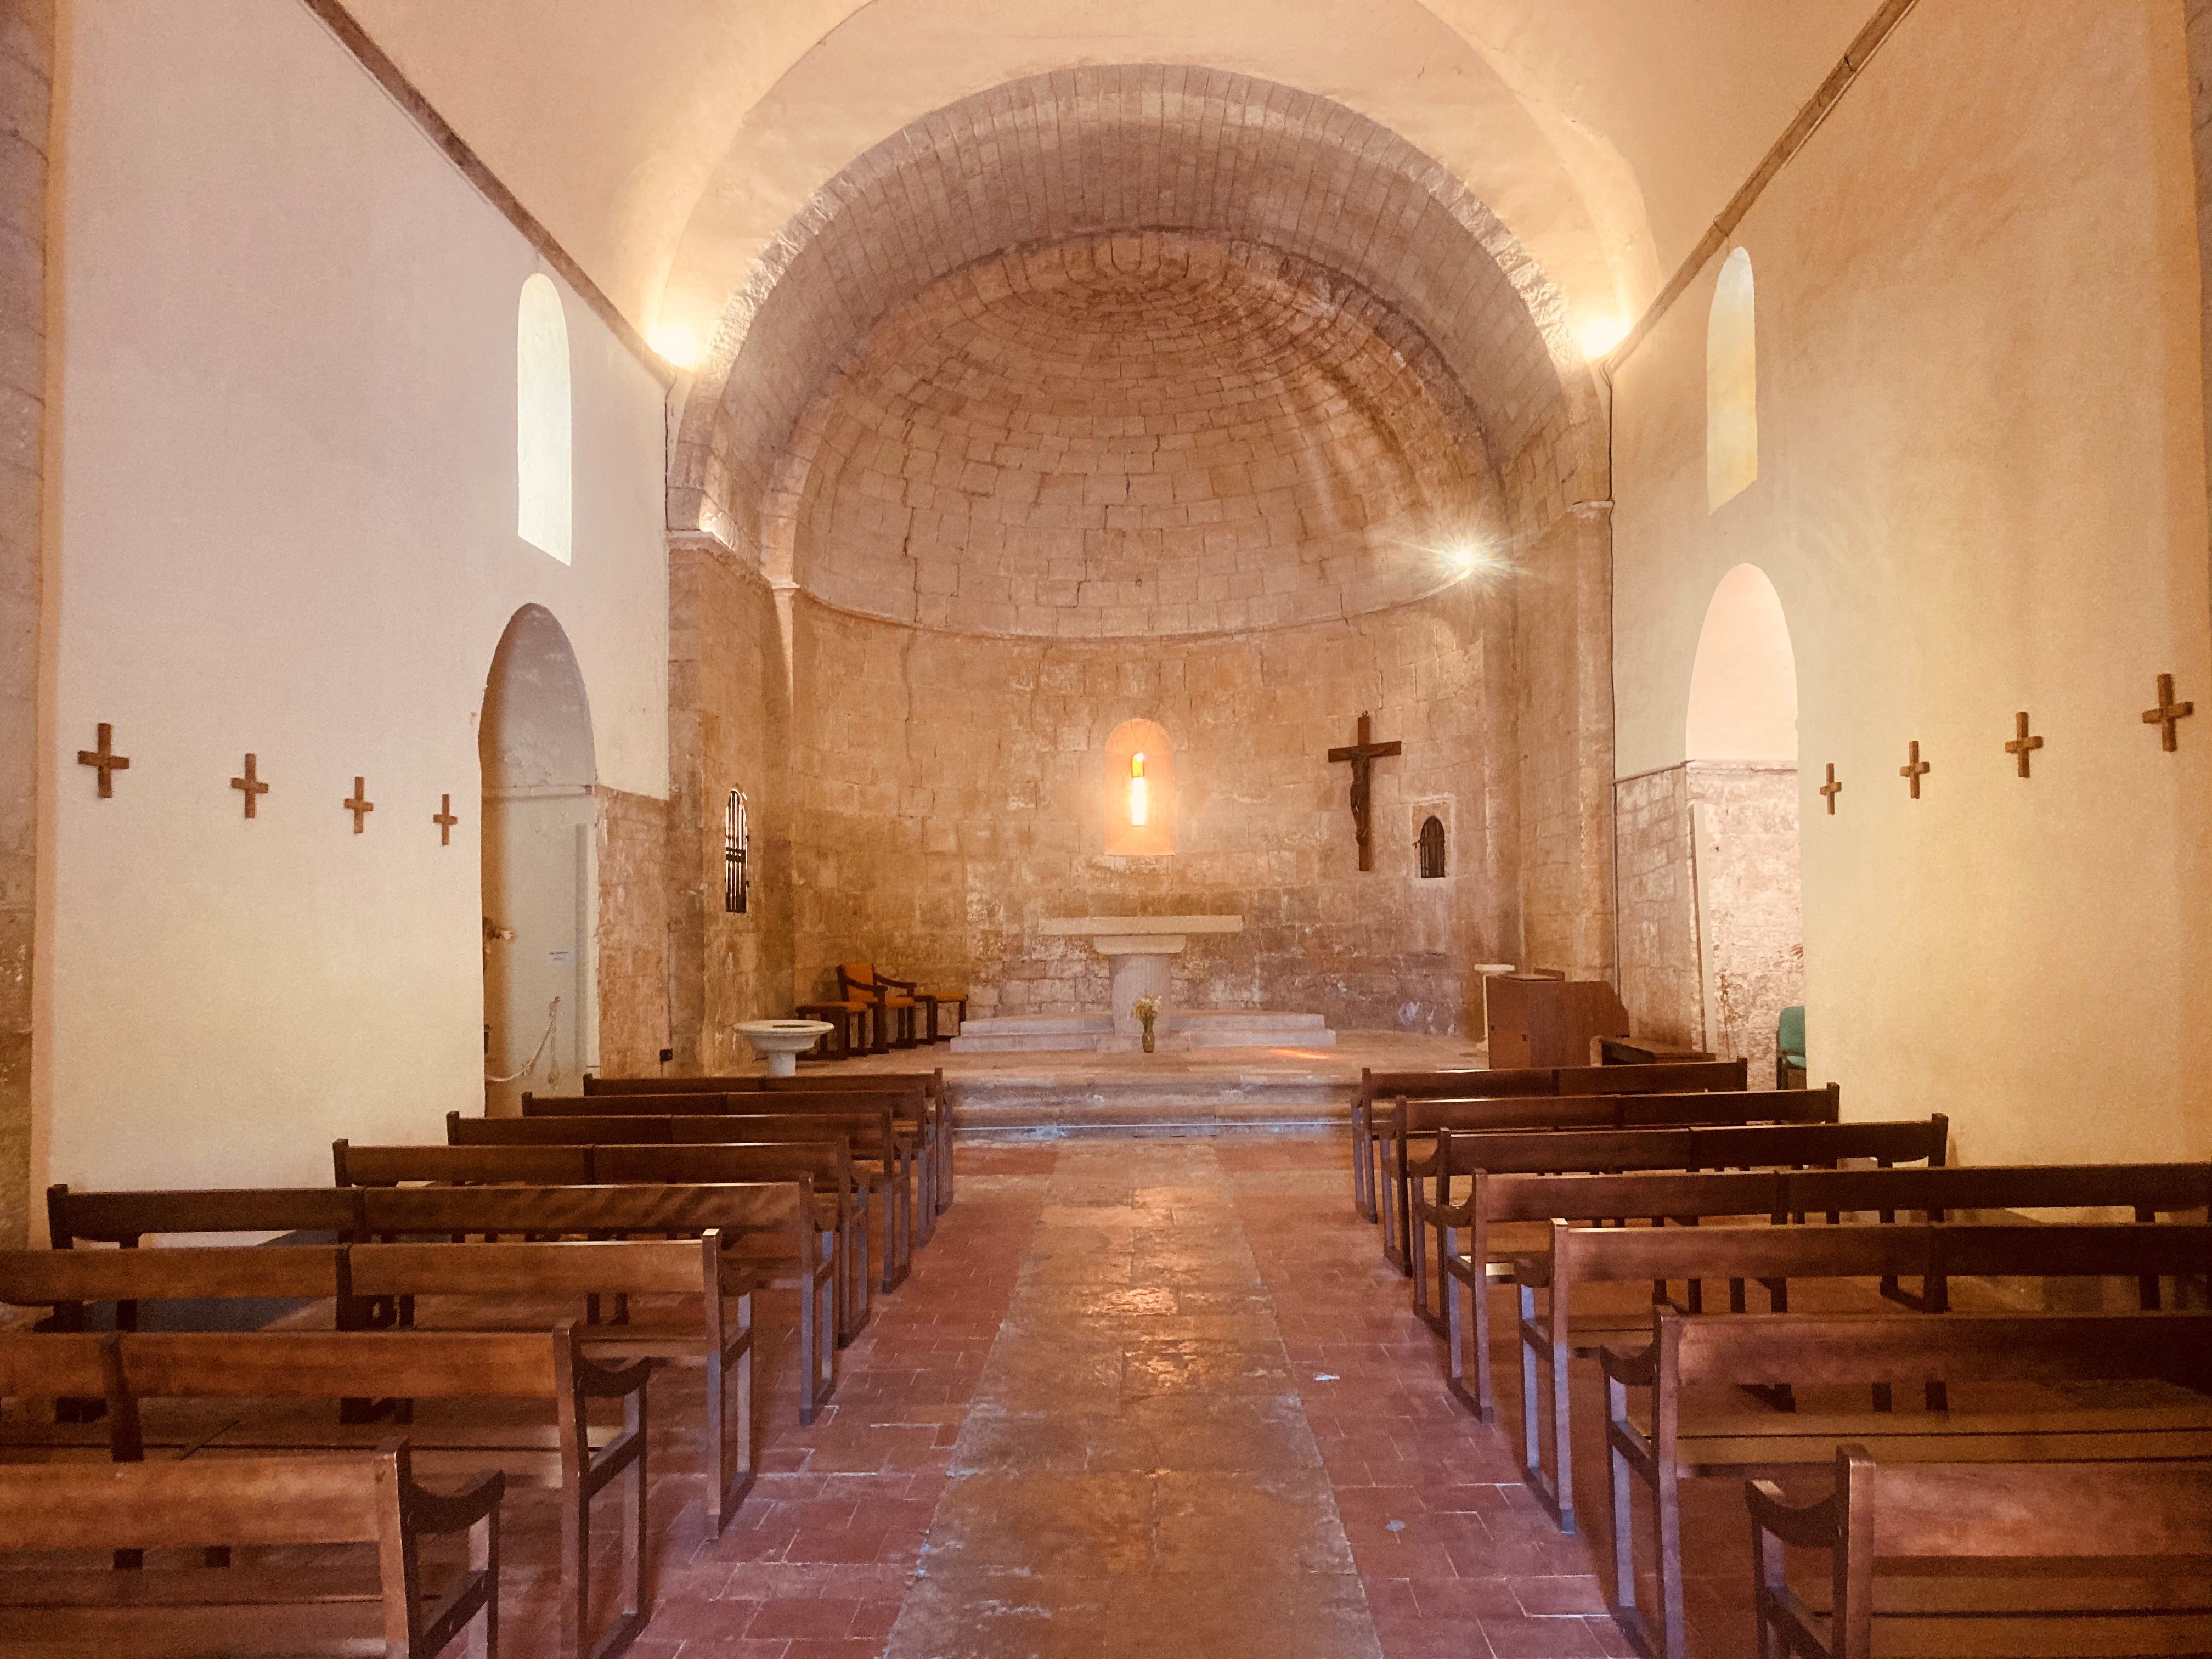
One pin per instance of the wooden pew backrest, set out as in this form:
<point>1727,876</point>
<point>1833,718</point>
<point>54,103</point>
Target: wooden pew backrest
<point>125,1218</point>
<point>533,1165</point>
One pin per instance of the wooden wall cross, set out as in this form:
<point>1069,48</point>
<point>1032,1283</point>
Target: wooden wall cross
<point>1914,769</point>
<point>1831,789</point>
<point>253,786</point>
<point>106,759</point>
<point>359,804</point>
<point>2022,745</point>
<point>2166,712</point>
<point>444,818</point>
<point>1363,754</point>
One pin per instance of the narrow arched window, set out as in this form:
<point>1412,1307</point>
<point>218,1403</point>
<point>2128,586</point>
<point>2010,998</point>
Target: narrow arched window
<point>1432,848</point>
<point>1731,384</point>
<point>542,447</point>
<point>737,854</point>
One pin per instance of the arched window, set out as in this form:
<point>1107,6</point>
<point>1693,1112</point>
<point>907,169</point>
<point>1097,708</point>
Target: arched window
<point>1731,384</point>
<point>1743,684</point>
<point>737,854</point>
<point>1431,846</point>
<point>543,449</point>
<point>1138,792</point>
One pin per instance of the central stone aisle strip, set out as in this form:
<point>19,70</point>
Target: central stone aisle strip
<point>1135,1474</point>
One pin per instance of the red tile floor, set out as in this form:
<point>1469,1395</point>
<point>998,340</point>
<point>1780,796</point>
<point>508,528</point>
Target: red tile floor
<point>1139,1396</point>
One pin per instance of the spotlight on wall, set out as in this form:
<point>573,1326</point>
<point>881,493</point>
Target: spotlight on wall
<point>677,344</point>
<point>1599,334</point>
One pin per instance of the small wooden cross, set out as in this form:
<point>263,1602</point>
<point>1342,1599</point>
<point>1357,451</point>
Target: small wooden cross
<point>1831,789</point>
<point>2166,712</point>
<point>1914,769</point>
<point>106,759</point>
<point>360,806</point>
<point>1363,754</point>
<point>2022,745</point>
<point>444,818</point>
<point>253,786</point>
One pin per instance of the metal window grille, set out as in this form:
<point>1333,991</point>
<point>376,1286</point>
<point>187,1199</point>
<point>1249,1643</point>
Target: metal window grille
<point>737,853</point>
<point>1432,848</point>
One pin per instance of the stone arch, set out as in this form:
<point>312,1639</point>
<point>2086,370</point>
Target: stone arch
<point>540,774</point>
<point>1220,155</point>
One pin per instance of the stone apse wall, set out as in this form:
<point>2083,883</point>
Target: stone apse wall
<point>1019,464</point>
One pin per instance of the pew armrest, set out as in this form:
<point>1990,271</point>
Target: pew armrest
<point>1801,1526</point>
<point>432,1511</point>
<point>599,1382</point>
<point>1632,1367</point>
<point>1533,1271</point>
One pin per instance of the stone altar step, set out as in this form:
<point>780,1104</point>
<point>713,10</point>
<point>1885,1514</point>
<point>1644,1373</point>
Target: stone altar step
<point>1164,1102</point>
<point>1178,1030</point>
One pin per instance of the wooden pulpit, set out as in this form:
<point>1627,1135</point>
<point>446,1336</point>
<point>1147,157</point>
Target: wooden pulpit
<point>1539,1020</point>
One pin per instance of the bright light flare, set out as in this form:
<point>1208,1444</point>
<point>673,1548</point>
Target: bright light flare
<point>677,345</point>
<point>1599,334</point>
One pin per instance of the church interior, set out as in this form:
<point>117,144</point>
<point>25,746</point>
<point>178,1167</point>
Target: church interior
<point>937,829</point>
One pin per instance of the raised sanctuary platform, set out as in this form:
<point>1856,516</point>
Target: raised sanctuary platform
<point>1095,1033</point>
<point>1198,1091</point>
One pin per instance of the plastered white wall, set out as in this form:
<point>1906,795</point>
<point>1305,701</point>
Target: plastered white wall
<point>286,473</point>
<point>1981,489</point>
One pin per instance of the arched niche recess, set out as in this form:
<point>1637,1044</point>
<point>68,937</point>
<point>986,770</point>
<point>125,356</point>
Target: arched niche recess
<point>1743,685</point>
<point>1137,790</point>
<point>540,889</point>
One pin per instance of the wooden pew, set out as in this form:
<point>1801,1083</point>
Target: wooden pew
<point>931,1082</point>
<point>2088,1544</point>
<point>931,1115</point>
<point>409,1367</point>
<point>718,1339</point>
<point>527,1150</point>
<point>900,1152</point>
<point>268,1502</point>
<point>743,1214</point>
<point>1378,1089</point>
<point>1933,1193</point>
<point>1420,1123</point>
<point>876,1161</point>
<point>746,1214</point>
<point>1690,1351</point>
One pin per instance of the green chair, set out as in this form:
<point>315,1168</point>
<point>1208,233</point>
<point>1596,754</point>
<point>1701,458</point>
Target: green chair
<point>1790,1048</point>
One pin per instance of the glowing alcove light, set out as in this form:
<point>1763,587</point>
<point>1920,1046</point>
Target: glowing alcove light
<point>542,452</point>
<point>1140,804</point>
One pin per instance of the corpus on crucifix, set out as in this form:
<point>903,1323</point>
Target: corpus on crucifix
<point>1363,754</point>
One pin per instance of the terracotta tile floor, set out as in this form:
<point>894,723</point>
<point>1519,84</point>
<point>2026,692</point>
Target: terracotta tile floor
<point>1139,1396</point>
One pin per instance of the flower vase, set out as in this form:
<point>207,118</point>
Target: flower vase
<point>1148,1037</point>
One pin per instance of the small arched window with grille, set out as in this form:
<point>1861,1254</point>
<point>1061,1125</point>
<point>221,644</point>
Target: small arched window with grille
<point>1432,845</point>
<point>737,854</point>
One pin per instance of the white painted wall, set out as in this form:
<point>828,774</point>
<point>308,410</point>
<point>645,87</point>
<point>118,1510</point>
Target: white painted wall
<point>1981,489</point>
<point>286,474</point>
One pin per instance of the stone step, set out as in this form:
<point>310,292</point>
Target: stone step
<point>1163,1101</point>
<point>1252,1019</point>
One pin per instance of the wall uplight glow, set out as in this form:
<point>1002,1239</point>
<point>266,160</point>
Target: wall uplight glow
<point>1599,334</point>
<point>676,345</point>
<point>1140,802</point>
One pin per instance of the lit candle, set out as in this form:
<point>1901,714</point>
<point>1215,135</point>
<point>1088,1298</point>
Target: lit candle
<point>1138,804</point>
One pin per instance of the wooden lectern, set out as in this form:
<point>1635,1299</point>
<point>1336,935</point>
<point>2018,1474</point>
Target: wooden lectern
<point>1536,1019</point>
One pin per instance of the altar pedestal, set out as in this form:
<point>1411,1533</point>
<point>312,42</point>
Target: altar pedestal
<point>1140,951</point>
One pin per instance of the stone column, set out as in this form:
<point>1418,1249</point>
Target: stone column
<point>27,61</point>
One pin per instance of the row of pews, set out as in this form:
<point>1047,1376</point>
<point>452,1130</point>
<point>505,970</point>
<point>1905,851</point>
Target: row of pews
<point>489,1311</point>
<point>2041,1479</point>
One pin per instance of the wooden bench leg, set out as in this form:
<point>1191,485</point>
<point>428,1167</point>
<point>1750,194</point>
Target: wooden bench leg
<point>1544,1381</point>
<point>1467,1332</point>
<point>731,1372</point>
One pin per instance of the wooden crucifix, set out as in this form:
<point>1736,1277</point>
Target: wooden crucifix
<point>2022,745</point>
<point>444,818</point>
<point>252,785</point>
<point>106,759</point>
<point>359,803</point>
<point>1832,788</point>
<point>1363,754</point>
<point>1915,769</point>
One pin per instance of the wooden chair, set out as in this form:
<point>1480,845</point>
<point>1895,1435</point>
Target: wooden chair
<point>850,1034</point>
<point>2121,1552</point>
<point>892,999</point>
<point>272,1501</point>
<point>1789,1048</point>
<point>1690,1351</point>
